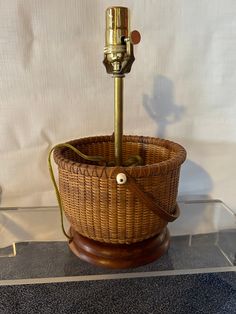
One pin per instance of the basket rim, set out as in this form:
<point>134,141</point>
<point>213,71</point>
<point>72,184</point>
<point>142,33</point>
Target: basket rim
<point>162,167</point>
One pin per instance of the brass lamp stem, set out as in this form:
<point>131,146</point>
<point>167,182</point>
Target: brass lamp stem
<point>118,60</point>
<point>118,118</point>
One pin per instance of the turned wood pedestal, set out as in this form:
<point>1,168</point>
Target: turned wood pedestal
<point>120,255</point>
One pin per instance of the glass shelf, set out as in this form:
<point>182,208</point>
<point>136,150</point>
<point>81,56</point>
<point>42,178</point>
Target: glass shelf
<point>34,250</point>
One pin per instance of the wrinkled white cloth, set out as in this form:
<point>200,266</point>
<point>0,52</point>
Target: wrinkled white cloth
<point>54,87</point>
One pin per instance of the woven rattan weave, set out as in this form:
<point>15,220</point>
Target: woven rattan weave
<point>100,209</point>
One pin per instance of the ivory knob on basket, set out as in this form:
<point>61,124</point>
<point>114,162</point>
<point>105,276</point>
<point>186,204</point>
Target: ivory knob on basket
<point>121,178</point>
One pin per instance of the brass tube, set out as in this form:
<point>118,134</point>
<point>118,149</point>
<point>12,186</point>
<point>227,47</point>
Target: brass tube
<point>118,118</point>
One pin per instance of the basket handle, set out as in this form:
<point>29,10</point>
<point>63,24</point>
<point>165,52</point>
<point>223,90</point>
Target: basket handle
<point>146,198</point>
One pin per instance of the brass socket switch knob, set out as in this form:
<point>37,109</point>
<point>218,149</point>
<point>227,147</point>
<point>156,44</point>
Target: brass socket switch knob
<point>135,37</point>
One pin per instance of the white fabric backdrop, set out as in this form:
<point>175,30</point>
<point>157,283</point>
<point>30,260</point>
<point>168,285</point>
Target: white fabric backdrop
<point>53,87</point>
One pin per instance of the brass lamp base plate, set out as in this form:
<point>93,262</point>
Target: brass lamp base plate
<point>120,255</point>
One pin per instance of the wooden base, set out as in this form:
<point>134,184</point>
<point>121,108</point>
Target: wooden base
<point>120,255</point>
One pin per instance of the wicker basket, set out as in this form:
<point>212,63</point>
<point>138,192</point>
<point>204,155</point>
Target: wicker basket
<point>99,208</point>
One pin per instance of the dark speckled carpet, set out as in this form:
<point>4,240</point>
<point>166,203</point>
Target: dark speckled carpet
<point>205,293</point>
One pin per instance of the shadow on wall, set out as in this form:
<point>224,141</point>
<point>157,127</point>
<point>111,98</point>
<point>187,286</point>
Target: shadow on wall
<point>195,182</point>
<point>161,106</point>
